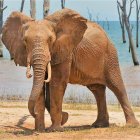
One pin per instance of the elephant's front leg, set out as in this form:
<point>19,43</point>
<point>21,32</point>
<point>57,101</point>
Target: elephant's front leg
<point>60,76</point>
<point>39,112</point>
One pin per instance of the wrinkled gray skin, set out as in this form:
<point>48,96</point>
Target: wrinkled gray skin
<point>65,48</point>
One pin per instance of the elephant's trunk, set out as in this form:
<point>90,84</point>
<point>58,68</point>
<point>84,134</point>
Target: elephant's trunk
<point>40,60</point>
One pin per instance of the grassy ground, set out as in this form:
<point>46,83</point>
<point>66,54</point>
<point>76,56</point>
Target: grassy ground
<point>16,123</point>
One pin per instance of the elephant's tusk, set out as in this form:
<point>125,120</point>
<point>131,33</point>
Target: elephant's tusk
<point>49,73</point>
<point>28,72</point>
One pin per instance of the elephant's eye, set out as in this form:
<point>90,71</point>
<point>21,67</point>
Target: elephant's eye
<point>49,39</point>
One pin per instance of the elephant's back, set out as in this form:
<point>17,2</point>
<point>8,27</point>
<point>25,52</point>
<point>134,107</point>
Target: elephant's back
<point>96,35</point>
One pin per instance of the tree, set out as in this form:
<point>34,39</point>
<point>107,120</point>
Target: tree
<point>33,8</point>
<point>62,4</point>
<point>46,8</point>
<point>97,18</point>
<point>89,14</point>
<point>22,5</point>
<point>1,13</point>
<point>1,23</point>
<point>108,27</point>
<point>128,28</point>
<point>121,19</point>
<point>137,23</point>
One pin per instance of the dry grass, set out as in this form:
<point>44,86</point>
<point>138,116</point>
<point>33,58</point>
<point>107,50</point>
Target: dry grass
<point>81,106</point>
<point>66,106</point>
<point>13,104</point>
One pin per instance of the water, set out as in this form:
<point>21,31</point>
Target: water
<point>76,93</point>
<point>115,35</point>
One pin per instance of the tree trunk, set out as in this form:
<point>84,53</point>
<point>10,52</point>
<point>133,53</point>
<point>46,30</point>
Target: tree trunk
<point>127,25</point>
<point>121,19</point>
<point>129,32</point>
<point>22,5</point>
<point>62,4</point>
<point>137,33</point>
<point>1,23</point>
<point>123,30</point>
<point>107,24</point>
<point>33,8</point>
<point>1,52</point>
<point>132,47</point>
<point>46,8</point>
<point>1,15</point>
<point>89,14</point>
<point>137,23</point>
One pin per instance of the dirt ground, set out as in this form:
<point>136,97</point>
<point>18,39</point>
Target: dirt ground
<point>16,123</point>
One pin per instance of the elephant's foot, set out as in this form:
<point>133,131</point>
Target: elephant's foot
<point>55,128</point>
<point>40,127</point>
<point>100,124</point>
<point>132,122</point>
<point>39,123</point>
<point>65,116</point>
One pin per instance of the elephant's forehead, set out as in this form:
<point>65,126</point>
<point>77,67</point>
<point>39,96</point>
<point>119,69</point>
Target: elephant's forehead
<point>38,28</point>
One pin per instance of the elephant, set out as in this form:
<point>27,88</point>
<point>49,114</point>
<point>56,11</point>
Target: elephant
<point>65,48</point>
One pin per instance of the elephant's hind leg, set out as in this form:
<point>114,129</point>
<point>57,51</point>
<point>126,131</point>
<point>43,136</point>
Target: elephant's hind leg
<point>115,83</point>
<point>120,93</point>
<point>100,96</point>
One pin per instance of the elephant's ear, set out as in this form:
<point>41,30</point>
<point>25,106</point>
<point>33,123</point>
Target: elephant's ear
<point>12,37</point>
<point>69,28</point>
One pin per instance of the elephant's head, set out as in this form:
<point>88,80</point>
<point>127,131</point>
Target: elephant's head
<point>41,44</point>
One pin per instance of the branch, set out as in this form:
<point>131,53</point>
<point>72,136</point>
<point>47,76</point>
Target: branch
<point>120,19</point>
<point>139,10</point>
<point>119,4</point>
<point>1,10</point>
<point>131,3</point>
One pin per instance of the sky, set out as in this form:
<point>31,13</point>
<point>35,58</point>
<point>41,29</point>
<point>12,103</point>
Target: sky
<point>101,8</point>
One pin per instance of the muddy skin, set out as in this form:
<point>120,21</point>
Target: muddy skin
<point>71,50</point>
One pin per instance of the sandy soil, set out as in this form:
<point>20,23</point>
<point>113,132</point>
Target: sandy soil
<point>16,123</point>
